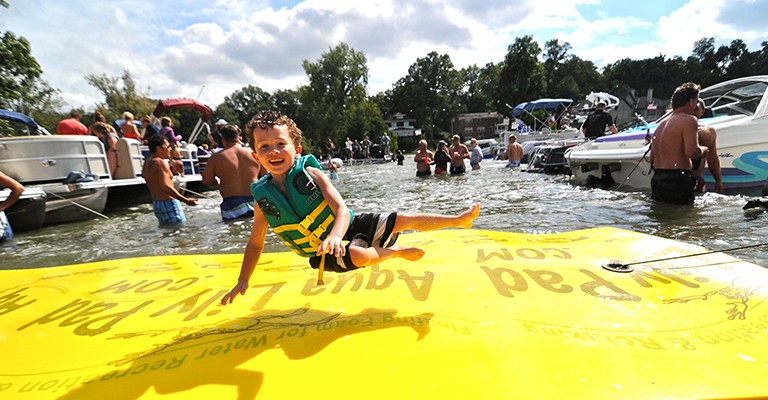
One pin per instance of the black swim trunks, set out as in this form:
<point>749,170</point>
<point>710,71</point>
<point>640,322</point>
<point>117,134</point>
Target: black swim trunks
<point>423,173</point>
<point>458,170</point>
<point>367,229</point>
<point>674,186</point>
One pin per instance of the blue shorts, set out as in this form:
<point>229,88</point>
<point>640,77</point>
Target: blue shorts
<point>512,164</point>
<point>168,212</point>
<point>237,207</point>
<point>6,233</point>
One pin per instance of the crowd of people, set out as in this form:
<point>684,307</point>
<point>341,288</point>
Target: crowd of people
<point>357,149</point>
<point>680,150</point>
<point>452,160</point>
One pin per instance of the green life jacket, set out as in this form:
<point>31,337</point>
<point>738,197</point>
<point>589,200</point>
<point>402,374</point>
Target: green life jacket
<point>302,219</point>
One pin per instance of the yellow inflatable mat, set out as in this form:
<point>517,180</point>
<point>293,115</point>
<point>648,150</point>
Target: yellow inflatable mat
<point>484,315</point>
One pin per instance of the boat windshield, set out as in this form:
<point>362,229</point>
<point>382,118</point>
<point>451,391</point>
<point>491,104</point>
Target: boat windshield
<point>737,99</point>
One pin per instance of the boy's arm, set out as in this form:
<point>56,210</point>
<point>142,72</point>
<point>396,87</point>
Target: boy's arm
<point>251,257</point>
<point>332,243</point>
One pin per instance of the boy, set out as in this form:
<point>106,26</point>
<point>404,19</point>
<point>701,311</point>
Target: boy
<point>309,215</point>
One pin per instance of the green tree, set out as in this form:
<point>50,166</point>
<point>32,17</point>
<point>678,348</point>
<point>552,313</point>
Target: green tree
<point>120,98</point>
<point>555,55</point>
<point>429,93</point>
<point>365,120</point>
<point>578,78</point>
<point>337,81</point>
<point>522,76</point>
<point>19,70</point>
<point>479,91</point>
<point>245,103</point>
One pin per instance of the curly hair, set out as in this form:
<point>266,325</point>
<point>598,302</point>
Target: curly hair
<point>266,119</point>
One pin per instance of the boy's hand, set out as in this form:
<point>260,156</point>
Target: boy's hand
<point>332,245</point>
<point>240,288</point>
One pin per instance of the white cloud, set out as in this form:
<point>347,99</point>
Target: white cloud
<point>177,48</point>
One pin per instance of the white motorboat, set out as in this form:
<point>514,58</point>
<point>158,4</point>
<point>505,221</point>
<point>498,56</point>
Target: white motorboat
<point>740,109</point>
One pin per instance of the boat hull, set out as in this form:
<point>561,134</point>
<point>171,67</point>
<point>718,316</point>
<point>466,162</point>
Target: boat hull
<point>741,121</point>
<point>71,203</point>
<point>27,214</point>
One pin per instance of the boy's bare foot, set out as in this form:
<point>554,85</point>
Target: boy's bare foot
<point>468,217</point>
<point>408,253</point>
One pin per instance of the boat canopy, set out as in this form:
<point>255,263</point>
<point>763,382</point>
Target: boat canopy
<point>541,104</point>
<point>172,104</point>
<point>34,128</point>
<point>19,117</point>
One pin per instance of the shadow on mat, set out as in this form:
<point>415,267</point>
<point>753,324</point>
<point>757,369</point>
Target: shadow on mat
<point>210,355</point>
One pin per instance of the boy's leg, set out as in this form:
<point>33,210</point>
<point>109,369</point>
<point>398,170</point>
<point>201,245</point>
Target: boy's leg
<point>432,222</point>
<point>365,256</point>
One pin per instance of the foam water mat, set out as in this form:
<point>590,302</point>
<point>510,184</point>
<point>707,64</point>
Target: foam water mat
<point>484,315</point>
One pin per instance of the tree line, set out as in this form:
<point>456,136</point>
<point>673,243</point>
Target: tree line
<point>336,104</point>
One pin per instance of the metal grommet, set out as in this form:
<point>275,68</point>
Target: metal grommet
<point>616,266</point>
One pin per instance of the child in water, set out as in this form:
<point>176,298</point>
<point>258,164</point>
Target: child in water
<point>309,215</point>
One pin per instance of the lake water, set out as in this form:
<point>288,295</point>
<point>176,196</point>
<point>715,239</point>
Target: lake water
<point>512,201</point>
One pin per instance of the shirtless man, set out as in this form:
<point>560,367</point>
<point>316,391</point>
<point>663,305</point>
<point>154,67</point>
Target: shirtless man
<point>514,152</point>
<point>707,137</point>
<point>458,152</point>
<point>675,143</point>
<point>423,159</point>
<point>233,170</point>
<point>165,198</point>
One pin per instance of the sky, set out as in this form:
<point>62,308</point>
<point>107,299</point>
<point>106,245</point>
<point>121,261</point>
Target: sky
<point>208,49</point>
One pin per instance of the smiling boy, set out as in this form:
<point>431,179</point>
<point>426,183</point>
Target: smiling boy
<point>309,215</point>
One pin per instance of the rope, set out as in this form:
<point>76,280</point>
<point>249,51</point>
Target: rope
<point>197,194</point>
<point>79,205</point>
<point>698,254</point>
<point>636,165</point>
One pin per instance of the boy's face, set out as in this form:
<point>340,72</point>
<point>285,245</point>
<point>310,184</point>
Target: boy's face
<point>274,149</point>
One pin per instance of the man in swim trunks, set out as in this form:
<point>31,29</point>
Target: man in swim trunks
<point>233,170</point>
<point>458,153</point>
<point>166,200</point>
<point>423,159</point>
<point>675,143</point>
<point>514,152</point>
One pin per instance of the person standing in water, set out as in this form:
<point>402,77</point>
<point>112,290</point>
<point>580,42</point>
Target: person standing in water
<point>233,170</point>
<point>166,200</point>
<point>423,159</point>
